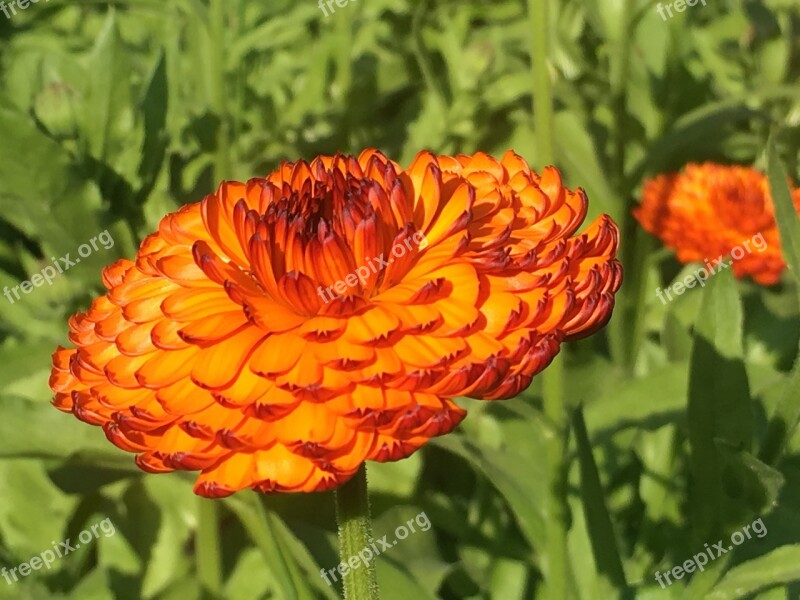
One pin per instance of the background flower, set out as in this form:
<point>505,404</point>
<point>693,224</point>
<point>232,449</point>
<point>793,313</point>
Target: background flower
<point>708,209</point>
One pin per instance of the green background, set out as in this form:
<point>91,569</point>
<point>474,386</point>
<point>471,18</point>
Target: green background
<point>113,114</point>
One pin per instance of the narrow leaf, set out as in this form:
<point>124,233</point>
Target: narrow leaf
<point>781,566</point>
<point>598,521</point>
<point>719,404</point>
<point>785,213</point>
<point>784,421</point>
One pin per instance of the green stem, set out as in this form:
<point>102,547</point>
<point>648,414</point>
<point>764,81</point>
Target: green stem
<point>219,89</point>
<point>618,76</point>
<point>542,88</point>
<point>344,71</point>
<point>556,559</point>
<point>355,533</point>
<point>624,330</point>
<point>426,68</point>
<point>209,562</point>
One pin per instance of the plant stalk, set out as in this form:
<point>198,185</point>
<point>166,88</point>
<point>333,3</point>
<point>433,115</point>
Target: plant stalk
<point>219,89</point>
<point>555,409</point>
<point>542,87</point>
<point>355,534</point>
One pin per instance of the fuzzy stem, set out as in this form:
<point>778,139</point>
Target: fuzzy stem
<point>355,533</point>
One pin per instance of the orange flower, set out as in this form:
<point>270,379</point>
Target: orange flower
<point>218,349</point>
<point>708,210</point>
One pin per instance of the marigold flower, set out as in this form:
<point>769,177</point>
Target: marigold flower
<point>215,351</point>
<point>709,209</point>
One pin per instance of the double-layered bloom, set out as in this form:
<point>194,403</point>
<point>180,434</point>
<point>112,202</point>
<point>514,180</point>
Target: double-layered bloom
<point>214,350</point>
<point>709,209</point>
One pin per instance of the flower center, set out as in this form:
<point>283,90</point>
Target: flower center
<point>328,233</point>
<point>337,204</point>
<point>742,204</point>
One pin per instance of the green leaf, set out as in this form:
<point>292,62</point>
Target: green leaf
<point>580,158</point>
<point>397,583</point>
<point>76,476</point>
<point>621,407</point>
<point>785,213</point>
<point>781,566</point>
<point>249,579</point>
<point>109,89</point>
<point>33,511</point>
<point>27,431</point>
<point>754,483</point>
<point>277,545</point>
<point>154,107</point>
<point>304,570</point>
<point>187,588</point>
<point>508,578</point>
<point>598,521</point>
<point>520,481</point>
<point>692,128</point>
<point>719,404</point>
<point>418,552</point>
<point>25,366</point>
<point>94,586</point>
<point>42,193</point>
<point>168,560</point>
<point>784,421</point>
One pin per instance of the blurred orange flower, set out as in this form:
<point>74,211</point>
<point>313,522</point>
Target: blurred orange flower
<point>708,209</point>
<point>219,349</point>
